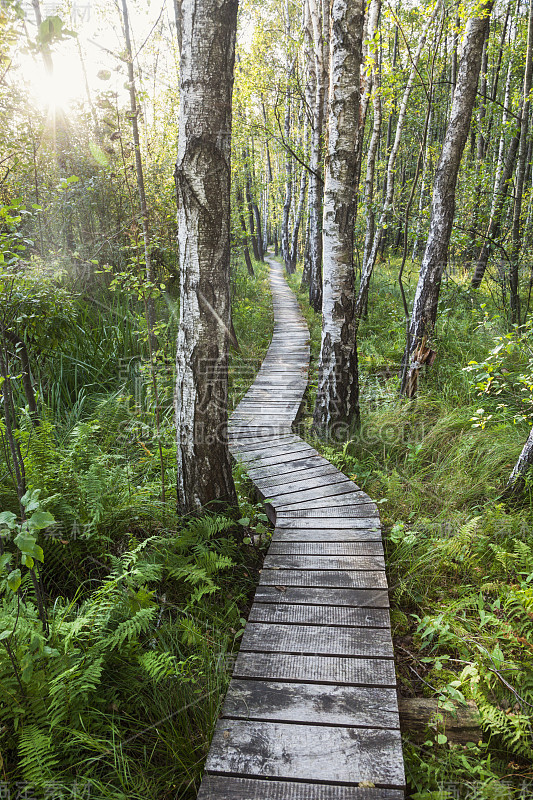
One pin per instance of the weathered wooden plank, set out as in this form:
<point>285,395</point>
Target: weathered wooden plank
<point>316,669</point>
<point>322,492</point>
<point>285,468</point>
<point>307,752</point>
<point>286,613</point>
<point>223,787</point>
<point>362,534</point>
<point>323,562</point>
<point>341,579</point>
<point>320,640</point>
<point>313,703</point>
<point>272,454</point>
<point>357,598</point>
<point>269,461</point>
<point>279,548</point>
<point>280,440</point>
<point>298,478</point>
<point>332,522</point>
<point>262,444</point>
<point>262,429</point>
<point>348,500</point>
<point>346,511</point>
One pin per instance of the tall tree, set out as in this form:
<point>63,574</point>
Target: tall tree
<point>139,172</point>
<point>521,174</point>
<point>319,26</point>
<point>337,399</point>
<point>424,313</point>
<point>371,255</point>
<point>208,29</point>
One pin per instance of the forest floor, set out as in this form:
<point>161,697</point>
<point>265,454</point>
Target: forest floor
<point>459,559</point>
<point>146,608</point>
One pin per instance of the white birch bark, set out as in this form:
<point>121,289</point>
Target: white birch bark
<point>435,257</point>
<point>203,192</point>
<point>368,192</point>
<point>421,199</point>
<point>521,176</point>
<point>516,479</point>
<point>319,19</point>
<point>368,265</point>
<point>337,400</point>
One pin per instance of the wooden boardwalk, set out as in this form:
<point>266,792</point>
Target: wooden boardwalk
<point>311,711</point>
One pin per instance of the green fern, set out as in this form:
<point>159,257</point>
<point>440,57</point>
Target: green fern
<point>37,756</point>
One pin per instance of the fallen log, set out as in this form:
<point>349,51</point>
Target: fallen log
<point>417,713</point>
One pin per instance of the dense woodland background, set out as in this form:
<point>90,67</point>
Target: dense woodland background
<point>119,617</point>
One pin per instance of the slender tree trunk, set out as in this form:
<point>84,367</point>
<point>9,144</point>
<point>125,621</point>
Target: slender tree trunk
<point>520,177</point>
<point>298,219</point>
<point>481,144</point>
<point>301,204</point>
<point>202,176</point>
<point>337,400</point>
<point>134,115</point>
<point>368,191</point>
<point>421,201</point>
<point>453,71</point>
<point>368,267</point>
<point>285,238</point>
<point>250,203</point>
<point>435,257</point>
<point>516,482</point>
<point>245,248</point>
<point>317,11</point>
<point>496,78</point>
<point>500,194</point>
<point>371,23</point>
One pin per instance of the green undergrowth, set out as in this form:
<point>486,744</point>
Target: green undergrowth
<point>145,608</point>
<point>459,559</point>
<point>253,320</point>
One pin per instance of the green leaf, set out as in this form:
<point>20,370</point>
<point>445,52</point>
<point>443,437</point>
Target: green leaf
<point>441,738</point>
<point>5,635</point>
<point>40,520</point>
<point>38,553</point>
<point>25,542</point>
<point>27,561</point>
<point>30,501</point>
<point>14,579</point>
<point>8,519</point>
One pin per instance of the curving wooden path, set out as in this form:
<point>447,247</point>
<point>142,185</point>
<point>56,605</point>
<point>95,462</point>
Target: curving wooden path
<point>311,711</point>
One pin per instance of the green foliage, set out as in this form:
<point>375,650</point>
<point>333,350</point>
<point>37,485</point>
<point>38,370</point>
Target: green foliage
<point>66,706</point>
<point>460,564</point>
<point>505,377</point>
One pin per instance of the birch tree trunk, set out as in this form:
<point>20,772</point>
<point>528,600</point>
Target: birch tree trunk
<point>504,171</point>
<point>500,193</point>
<point>139,172</point>
<point>520,177</point>
<point>434,261</point>
<point>337,400</point>
<point>368,192</point>
<point>203,193</point>
<point>516,481</point>
<point>316,185</point>
<point>368,266</point>
<point>301,203</point>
